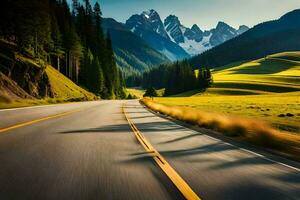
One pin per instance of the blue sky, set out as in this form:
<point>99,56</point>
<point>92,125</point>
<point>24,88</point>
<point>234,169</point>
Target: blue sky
<point>204,13</point>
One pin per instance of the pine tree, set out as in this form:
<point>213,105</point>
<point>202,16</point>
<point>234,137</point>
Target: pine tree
<point>73,42</point>
<point>99,36</point>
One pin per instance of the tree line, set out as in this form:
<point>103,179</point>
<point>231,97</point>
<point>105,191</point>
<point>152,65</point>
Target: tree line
<point>176,78</point>
<point>70,40</point>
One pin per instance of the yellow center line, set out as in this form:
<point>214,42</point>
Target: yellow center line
<point>181,185</point>
<point>37,120</point>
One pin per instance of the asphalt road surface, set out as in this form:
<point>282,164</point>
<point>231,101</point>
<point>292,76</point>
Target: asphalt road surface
<point>88,151</point>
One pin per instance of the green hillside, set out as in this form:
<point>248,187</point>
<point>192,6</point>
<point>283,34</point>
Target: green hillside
<point>133,54</point>
<point>63,88</point>
<point>266,89</point>
<point>25,81</point>
<point>276,73</point>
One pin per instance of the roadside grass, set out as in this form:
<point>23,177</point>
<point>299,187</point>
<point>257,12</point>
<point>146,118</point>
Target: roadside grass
<point>282,110</point>
<point>64,88</point>
<point>37,102</point>
<point>13,95</point>
<point>255,132</point>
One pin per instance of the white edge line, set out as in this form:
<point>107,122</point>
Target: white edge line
<point>251,152</point>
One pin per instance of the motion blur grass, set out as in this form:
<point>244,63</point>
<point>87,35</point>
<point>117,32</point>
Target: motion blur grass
<point>254,131</point>
<point>269,108</point>
<point>256,101</point>
<point>266,89</point>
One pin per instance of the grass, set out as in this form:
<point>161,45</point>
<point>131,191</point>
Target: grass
<point>36,102</point>
<point>254,131</point>
<point>138,92</point>
<point>278,73</point>
<point>266,107</point>
<point>64,88</point>
<point>265,89</point>
<point>256,101</point>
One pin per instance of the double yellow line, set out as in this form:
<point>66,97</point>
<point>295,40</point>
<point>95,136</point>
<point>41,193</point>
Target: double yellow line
<point>37,120</point>
<point>182,186</point>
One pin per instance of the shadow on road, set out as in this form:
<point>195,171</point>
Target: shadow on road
<point>147,127</point>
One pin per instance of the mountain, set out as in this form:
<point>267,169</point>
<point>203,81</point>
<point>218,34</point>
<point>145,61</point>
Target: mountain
<point>156,42</point>
<point>148,20</point>
<point>174,39</point>
<point>132,53</point>
<point>264,39</point>
<point>149,27</point>
<point>195,41</point>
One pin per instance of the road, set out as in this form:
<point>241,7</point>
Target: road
<point>88,151</point>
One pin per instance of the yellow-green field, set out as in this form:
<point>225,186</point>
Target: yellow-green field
<point>260,107</point>
<point>266,89</point>
<point>278,73</point>
<point>140,92</point>
<point>136,92</point>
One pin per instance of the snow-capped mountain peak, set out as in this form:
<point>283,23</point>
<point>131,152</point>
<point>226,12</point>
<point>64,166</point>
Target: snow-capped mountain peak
<point>174,29</point>
<point>186,40</point>
<point>149,13</point>
<point>148,20</point>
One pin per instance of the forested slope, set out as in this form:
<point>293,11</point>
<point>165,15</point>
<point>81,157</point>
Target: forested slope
<point>72,41</point>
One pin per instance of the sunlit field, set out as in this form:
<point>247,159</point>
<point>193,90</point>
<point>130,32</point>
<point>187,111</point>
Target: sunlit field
<point>136,92</point>
<point>281,110</point>
<point>253,130</point>
<point>267,89</point>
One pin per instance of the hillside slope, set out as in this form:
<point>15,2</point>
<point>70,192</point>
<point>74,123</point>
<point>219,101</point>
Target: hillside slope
<point>267,89</point>
<point>264,39</point>
<point>276,73</point>
<point>22,78</point>
<point>133,54</point>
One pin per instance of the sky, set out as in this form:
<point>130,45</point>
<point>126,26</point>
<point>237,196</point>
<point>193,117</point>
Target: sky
<point>204,13</point>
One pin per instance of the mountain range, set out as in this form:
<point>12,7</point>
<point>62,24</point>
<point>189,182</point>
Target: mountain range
<point>174,39</point>
<point>263,39</point>
<point>145,40</point>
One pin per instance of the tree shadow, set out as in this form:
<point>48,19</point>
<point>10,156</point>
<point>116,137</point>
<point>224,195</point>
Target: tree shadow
<point>104,129</point>
<point>181,138</point>
<point>162,179</point>
<point>243,162</point>
<point>206,149</point>
<point>121,128</point>
<point>143,117</point>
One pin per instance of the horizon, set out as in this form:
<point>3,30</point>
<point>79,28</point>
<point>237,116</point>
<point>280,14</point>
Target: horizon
<point>205,14</point>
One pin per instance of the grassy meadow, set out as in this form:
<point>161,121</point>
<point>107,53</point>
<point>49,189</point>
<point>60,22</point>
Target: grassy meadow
<point>266,89</point>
